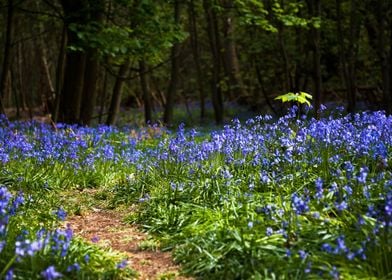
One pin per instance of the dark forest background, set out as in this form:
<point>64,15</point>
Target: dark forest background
<point>81,61</point>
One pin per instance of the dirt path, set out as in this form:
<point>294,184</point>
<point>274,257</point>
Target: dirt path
<point>108,229</point>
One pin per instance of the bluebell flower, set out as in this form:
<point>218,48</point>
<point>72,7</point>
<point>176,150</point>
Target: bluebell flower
<point>122,264</point>
<point>342,205</point>
<point>10,274</point>
<point>341,245</point>
<point>73,267</point>
<point>61,214</point>
<point>95,239</point>
<point>316,215</point>
<point>299,204</point>
<point>334,273</point>
<point>302,254</point>
<point>362,176</point>
<point>146,197</point>
<point>87,258</point>
<point>327,248</point>
<point>308,267</point>
<point>50,273</point>
<point>269,231</point>
<point>319,188</point>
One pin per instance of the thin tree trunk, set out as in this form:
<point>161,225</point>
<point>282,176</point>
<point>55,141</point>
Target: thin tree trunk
<point>144,83</point>
<point>2,111</point>
<point>196,57</point>
<point>60,74</point>
<point>27,80</point>
<point>104,92</point>
<point>7,52</point>
<point>289,79</point>
<point>213,35</point>
<point>390,63</point>
<point>20,80</point>
<point>115,103</point>
<point>103,96</point>
<point>15,95</point>
<point>230,58</point>
<point>97,9</point>
<point>47,91</point>
<point>353,52</point>
<point>342,49</point>
<point>383,55</point>
<point>175,68</point>
<point>348,56</point>
<point>266,97</point>
<point>315,11</point>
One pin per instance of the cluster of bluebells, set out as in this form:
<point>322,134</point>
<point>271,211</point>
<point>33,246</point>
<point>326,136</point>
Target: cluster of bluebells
<point>344,161</point>
<point>51,244</point>
<point>57,241</point>
<point>80,147</point>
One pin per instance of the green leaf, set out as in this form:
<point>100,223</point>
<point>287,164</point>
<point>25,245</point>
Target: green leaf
<point>301,97</point>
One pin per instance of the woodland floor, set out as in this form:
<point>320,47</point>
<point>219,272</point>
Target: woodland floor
<point>106,228</point>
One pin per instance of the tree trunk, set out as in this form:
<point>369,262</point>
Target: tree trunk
<point>214,41</point>
<point>97,9</point>
<point>348,54</point>
<point>196,57</point>
<point>144,83</point>
<point>7,49</point>
<point>261,83</point>
<point>60,74</point>
<point>89,87</point>
<point>104,94</point>
<point>390,72</point>
<point>71,96</point>
<point>115,103</point>
<point>20,79</point>
<point>175,68</point>
<point>289,79</point>
<point>230,58</point>
<point>46,90</point>
<point>315,11</point>
<point>383,55</point>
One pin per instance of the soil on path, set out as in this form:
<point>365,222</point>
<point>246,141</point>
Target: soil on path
<point>108,229</point>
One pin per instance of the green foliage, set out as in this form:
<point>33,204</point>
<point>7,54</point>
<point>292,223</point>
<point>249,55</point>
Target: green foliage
<point>300,97</point>
<point>256,13</point>
<point>149,33</point>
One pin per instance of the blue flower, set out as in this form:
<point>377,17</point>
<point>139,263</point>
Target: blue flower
<point>334,273</point>
<point>95,239</point>
<point>269,231</point>
<point>73,267</point>
<point>302,254</point>
<point>51,273</point>
<point>299,204</point>
<point>122,264</point>
<point>362,176</point>
<point>61,214</point>
<point>327,248</point>
<point>87,258</point>
<point>10,274</point>
<point>341,245</point>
